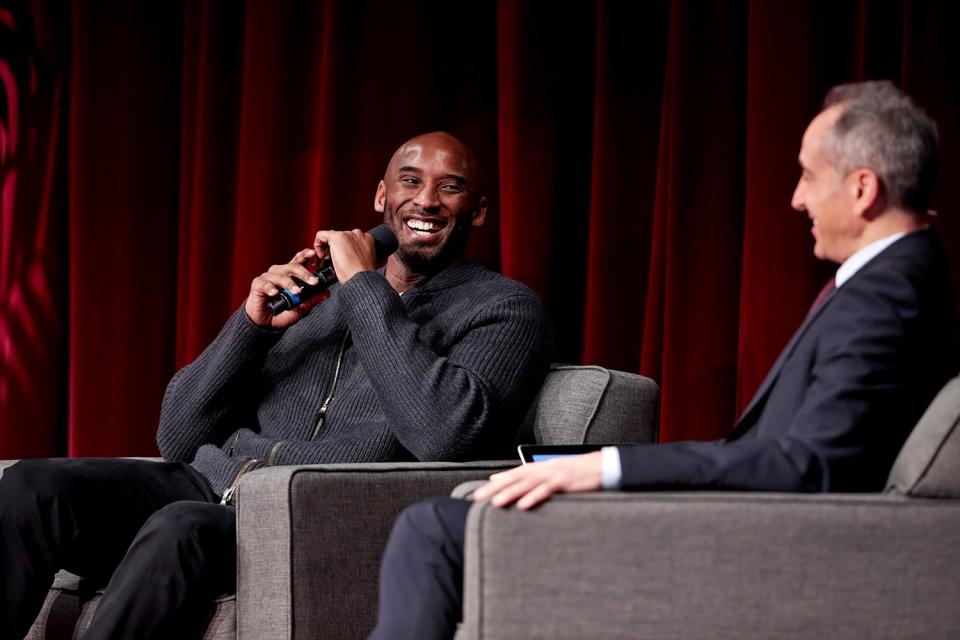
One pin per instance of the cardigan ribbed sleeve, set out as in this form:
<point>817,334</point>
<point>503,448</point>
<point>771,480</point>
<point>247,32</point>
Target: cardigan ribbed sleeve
<point>204,401</point>
<point>439,405</point>
<point>445,372</point>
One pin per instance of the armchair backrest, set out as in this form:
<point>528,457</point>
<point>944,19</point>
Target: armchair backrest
<point>928,465</point>
<point>593,405</point>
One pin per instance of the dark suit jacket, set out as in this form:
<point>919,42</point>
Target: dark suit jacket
<point>842,397</point>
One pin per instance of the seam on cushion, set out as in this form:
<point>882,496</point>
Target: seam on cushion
<point>389,468</point>
<point>926,468</point>
<point>483,583</point>
<point>608,378</point>
<point>291,596</point>
<point>236,611</point>
<point>753,498</point>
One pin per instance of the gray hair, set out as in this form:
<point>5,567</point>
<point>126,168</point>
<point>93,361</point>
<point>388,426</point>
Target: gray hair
<point>882,129</point>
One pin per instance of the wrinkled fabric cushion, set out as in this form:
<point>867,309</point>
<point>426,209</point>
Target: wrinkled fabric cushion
<point>593,405</point>
<point>70,605</point>
<point>929,463</point>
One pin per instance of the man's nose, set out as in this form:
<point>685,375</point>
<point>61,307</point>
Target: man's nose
<point>427,197</point>
<point>797,202</point>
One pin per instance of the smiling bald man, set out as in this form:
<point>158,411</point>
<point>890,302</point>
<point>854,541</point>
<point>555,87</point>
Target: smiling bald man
<point>445,372</point>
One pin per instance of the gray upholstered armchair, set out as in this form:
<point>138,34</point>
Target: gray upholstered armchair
<point>310,537</point>
<point>730,564</point>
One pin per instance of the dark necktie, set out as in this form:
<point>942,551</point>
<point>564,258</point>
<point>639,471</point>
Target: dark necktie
<point>742,426</point>
<point>826,291</point>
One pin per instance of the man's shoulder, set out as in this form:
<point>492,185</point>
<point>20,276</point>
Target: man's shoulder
<point>474,277</point>
<point>915,261</point>
<point>470,293</point>
<point>919,250</point>
<point>904,288</point>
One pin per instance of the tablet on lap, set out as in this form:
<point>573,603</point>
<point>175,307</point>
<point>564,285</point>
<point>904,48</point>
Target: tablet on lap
<point>543,452</point>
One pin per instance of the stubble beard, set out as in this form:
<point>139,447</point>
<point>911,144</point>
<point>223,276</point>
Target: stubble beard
<point>432,260</point>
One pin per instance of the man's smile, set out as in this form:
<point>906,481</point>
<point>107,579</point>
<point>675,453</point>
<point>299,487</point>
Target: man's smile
<point>422,227</point>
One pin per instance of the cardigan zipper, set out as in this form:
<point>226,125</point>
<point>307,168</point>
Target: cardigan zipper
<point>271,457</point>
<point>228,494</point>
<point>333,388</point>
<point>233,445</point>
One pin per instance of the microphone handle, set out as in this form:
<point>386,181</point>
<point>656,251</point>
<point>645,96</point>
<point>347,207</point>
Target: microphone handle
<point>287,300</point>
<point>384,243</point>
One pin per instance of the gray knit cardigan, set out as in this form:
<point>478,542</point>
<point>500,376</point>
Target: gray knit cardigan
<point>444,372</point>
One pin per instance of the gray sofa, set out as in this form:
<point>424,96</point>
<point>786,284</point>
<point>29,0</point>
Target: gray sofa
<point>310,537</point>
<point>731,564</point>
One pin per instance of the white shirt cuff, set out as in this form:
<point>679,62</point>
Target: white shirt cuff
<point>610,472</point>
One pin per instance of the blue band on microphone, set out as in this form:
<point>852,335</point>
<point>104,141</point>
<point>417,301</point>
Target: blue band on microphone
<point>292,297</point>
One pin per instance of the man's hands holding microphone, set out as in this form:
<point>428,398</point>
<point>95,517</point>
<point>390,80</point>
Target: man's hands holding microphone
<point>350,252</point>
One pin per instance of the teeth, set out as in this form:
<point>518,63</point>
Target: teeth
<point>422,225</point>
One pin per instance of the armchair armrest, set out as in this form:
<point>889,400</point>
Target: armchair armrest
<point>310,539</point>
<point>719,565</point>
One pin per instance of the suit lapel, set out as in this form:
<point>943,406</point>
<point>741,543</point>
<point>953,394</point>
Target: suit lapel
<point>743,422</point>
<point>922,241</point>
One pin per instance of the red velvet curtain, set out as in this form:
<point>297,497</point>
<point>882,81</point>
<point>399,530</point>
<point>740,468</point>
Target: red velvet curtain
<point>155,157</point>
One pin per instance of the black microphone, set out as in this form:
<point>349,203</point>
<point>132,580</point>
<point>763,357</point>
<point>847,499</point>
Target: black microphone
<point>384,243</point>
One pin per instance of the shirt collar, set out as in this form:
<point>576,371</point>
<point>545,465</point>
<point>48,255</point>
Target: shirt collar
<point>855,262</point>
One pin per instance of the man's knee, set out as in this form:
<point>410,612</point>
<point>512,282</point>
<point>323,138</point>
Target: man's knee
<point>29,483</point>
<point>440,520</point>
<point>47,479</point>
<point>188,524</point>
<point>417,519</point>
<point>198,533</point>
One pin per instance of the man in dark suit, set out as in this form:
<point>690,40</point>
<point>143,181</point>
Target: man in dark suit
<point>838,403</point>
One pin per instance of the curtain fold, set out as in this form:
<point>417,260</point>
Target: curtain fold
<point>630,56</point>
<point>33,256</point>
<point>690,338</point>
<point>122,200</point>
<point>639,159</point>
<point>211,78</point>
<point>545,65</point>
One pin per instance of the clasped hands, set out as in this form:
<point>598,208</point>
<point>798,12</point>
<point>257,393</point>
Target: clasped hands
<point>350,252</point>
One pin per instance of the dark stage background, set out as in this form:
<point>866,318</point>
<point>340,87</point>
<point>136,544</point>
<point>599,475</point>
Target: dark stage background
<point>156,156</point>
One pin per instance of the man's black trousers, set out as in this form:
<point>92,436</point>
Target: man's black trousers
<point>153,532</point>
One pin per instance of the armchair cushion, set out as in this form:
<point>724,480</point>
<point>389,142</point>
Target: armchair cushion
<point>718,565</point>
<point>928,464</point>
<point>593,405</point>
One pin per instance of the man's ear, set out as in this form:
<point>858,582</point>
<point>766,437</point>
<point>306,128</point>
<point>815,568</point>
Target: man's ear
<point>480,214</point>
<point>865,189</point>
<point>379,200</point>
